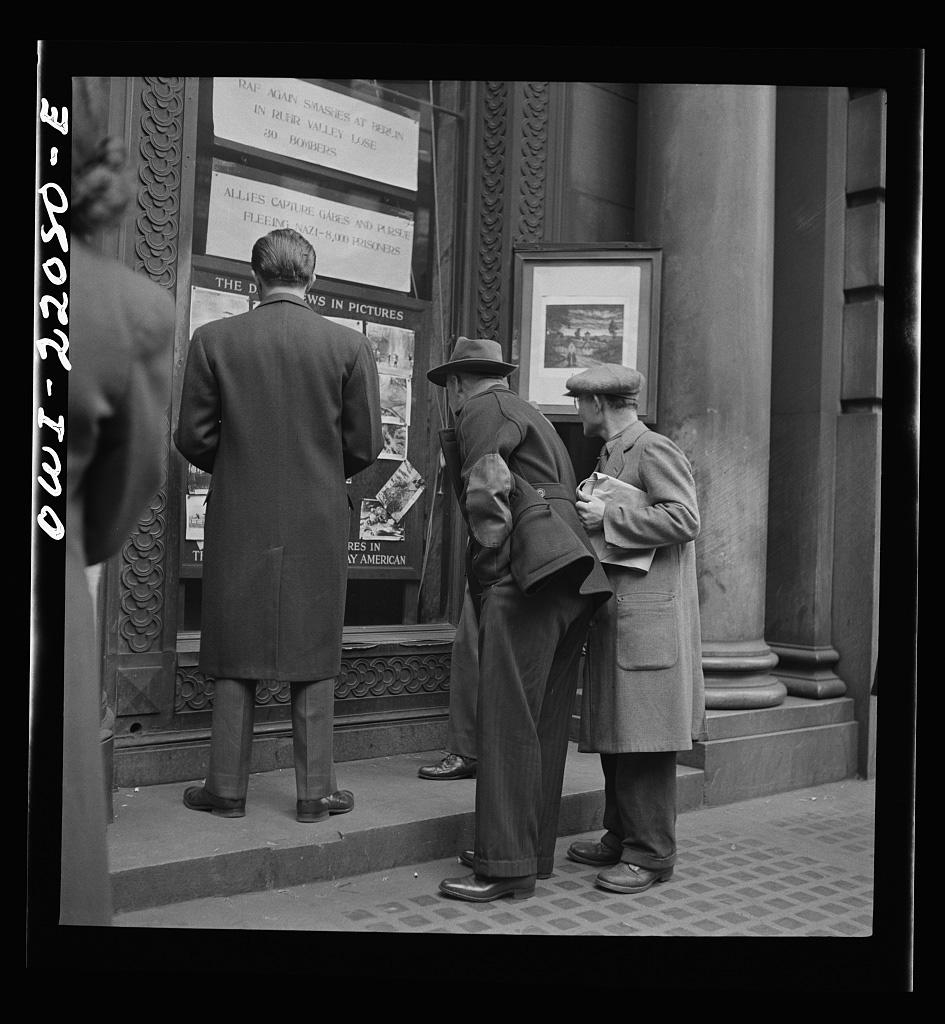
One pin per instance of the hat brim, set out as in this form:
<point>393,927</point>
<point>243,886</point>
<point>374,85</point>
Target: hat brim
<point>486,367</point>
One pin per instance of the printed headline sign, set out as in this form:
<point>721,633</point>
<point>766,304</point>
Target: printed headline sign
<point>297,119</point>
<point>353,244</point>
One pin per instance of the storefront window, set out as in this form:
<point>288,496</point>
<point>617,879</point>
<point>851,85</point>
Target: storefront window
<point>368,172</point>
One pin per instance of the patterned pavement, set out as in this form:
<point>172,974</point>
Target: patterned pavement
<point>794,864</point>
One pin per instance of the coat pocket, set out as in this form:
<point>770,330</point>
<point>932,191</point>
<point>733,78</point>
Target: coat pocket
<point>647,633</point>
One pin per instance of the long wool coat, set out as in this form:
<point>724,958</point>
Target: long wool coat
<point>280,405</point>
<point>643,685</point>
<point>527,526</point>
<point>121,336</point>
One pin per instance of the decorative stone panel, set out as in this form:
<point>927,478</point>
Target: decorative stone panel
<point>491,208</point>
<point>160,125</point>
<point>531,198</point>
<point>384,676</point>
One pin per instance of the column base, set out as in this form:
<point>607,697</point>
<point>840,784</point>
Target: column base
<point>807,672</point>
<point>737,676</point>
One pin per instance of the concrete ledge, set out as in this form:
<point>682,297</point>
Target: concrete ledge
<point>793,713</point>
<point>750,766</point>
<point>162,853</point>
<point>184,759</point>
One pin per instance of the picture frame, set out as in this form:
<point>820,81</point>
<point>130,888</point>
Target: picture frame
<point>576,306</point>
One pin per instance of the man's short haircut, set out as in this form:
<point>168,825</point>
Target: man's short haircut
<point>283,257</point>
<point>617,402</point>
<point>462,376</point>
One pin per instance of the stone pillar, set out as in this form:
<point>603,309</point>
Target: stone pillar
<point>805,386</point>
<point>859,425</point>
<point>705,195</point>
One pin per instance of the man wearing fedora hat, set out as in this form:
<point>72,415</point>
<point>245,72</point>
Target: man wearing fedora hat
<point>534,582</point>
<point>643,696</point>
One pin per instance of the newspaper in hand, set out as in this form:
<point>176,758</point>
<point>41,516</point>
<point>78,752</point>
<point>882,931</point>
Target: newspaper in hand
<point>609,488</point>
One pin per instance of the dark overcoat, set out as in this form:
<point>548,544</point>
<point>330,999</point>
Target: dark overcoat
<point>643,685</point>
<point>516,490</point>
<point>121,335</point>
<point>281,406</point>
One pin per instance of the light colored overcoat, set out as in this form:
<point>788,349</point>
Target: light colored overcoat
<point>280,405</point>
<point>643,688</point>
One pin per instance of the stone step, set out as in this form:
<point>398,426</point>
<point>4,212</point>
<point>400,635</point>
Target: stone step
<point>756,753</point>
<point>163,853</point>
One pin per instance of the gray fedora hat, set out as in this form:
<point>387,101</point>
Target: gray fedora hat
<point>473,355</point>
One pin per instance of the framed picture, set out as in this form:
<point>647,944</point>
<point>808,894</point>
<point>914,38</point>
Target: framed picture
<point>579,306</point>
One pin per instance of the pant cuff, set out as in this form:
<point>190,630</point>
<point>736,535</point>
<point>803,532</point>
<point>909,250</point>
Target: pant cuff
<point>630,855</point>
<point>228,787</point>
<point>505,868</point>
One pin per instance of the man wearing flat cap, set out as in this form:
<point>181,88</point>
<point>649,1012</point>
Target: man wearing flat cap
<point>643,696</point>
<point>535,582</point>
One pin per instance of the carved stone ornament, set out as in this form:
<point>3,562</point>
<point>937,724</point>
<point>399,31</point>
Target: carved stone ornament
<point>531,200</point>
<point>142,574</point>
<point>491,203</point>
<point>359,677</point>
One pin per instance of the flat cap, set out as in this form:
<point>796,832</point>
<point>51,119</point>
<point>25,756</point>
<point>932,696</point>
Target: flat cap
<point>606,379</point>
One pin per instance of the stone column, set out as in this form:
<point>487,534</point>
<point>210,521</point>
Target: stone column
<point>805,388</point>
<point>705,195</point>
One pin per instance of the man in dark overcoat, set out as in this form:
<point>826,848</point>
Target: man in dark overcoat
<point>535,582</point>
<point>281,406</point>
<point>643,696</point>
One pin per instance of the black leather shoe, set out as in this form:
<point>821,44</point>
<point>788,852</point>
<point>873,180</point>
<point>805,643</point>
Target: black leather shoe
<point>310,811</point>
<point>467,856</point>
<point>453,766</point>
<point>593,853</point>
<point>479,889</point>
<point>340,802</point>
<point>630,878</point>
<point>198,798</point>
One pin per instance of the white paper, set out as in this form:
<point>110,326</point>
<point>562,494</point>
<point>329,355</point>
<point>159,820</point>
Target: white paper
<point>610,488</point>
<point>352,243</point>
<point>207,304</point>
<point>318,125</point>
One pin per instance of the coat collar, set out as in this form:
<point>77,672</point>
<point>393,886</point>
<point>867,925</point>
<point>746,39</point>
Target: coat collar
<point>488,391</point>
<point>624,441</point>
<point>284,297</point>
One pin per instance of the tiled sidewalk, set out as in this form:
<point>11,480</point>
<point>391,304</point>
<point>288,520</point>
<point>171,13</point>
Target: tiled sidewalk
<point>793,864</point>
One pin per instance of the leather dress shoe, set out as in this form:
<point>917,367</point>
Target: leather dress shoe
<point>630,878</point>
<point>198,798</point>
<point>593,853</point>
<point>467,856</point>
<point>310,811</point>
<point>479,889</point>
<point>340,802</point>
<point>453,766</point>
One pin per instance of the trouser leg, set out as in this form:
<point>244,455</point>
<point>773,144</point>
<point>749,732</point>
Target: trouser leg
<point>519,640</point>
<point>642,810</point>
<point>553,724</point>
<point>231,738</point>
<point>312,732</point>
<point>613,837</point>
<point>464,682</point>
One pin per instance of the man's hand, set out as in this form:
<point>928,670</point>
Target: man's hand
<point>590,508</point>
